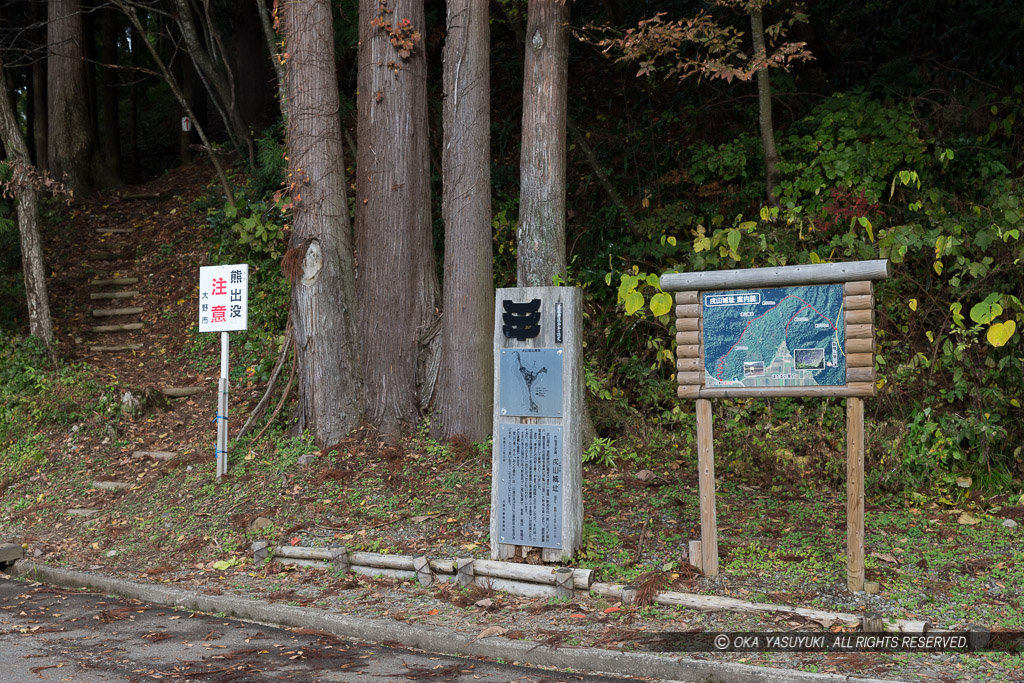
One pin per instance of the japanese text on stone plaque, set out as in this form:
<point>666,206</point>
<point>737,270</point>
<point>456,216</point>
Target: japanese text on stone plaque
<point>530,485</point>
<point>223,298</point>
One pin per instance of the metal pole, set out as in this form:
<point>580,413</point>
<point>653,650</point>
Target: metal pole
<point>222,409</point>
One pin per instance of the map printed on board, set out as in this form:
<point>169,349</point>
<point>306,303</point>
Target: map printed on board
<point>781,337</point>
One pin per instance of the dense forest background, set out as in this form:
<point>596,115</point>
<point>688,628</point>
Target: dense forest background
<point>897,137</point>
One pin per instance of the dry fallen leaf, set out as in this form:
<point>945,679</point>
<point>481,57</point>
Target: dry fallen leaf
<point>645,475</point>
<point>491,631</point>
<point>968,518</point>
<point>485,603</point>
<point>885,557</point>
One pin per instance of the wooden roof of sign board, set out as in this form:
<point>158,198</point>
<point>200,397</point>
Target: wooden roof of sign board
<point>811,274</point>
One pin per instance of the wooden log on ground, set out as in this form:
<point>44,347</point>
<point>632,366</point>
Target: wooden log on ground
<point>532,573</point>
<point>115,231</point>
<point>400,574</point>
<point>111,485</point>
<point>859,375</point>
<point>687,338</point>
<point>527,590</point>
<point>156,455</point>
<point>627,596</point>
<point>107,256</point>
<point>108,312</point>
<point>180,392</point>
<point>812,274</point>
<point>688,325</point>
<point>860,346</point>
<point>113,295</point>
<point>116,348</point>
<point>852,388</point>
<point>114,281</point>
<point>858,288</point>
<point>126,327</point>
<point>860,360</point>
<point>856,303</point>
<point>713,602</point>
<point>861,331</point>
<point>688,311</point>
<point>688,391</point>
<point>862,317</point>
<point>687,298</point>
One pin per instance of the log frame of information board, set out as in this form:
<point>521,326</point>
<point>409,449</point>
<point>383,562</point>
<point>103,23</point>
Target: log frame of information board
<point>746,289</point>
<point>856,323</point>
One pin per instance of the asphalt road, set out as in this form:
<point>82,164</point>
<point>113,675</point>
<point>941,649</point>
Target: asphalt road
<point>50,634</point>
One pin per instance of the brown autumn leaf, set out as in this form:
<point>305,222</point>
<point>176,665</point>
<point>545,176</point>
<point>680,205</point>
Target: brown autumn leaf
<point>491,631</point>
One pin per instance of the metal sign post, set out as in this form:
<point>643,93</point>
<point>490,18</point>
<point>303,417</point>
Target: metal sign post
<point>223,307</point>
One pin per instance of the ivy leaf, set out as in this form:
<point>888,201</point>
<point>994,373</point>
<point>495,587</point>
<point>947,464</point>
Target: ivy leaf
<point>988,310</point>
<point>634,302</point>
<point>913,304</point>
<point>661,303</point>
<point>1000,333</point>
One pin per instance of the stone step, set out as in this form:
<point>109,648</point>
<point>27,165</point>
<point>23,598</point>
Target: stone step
<point>127,327</point>
<point>113,295</point>
<point>81,512</point>
<point>107,312</point>
<point>116,347</point>
<point>114,281</point>
<point>156,455</point>
<point>111,485</point>
<point>118,231</point>
<point>107,256</point>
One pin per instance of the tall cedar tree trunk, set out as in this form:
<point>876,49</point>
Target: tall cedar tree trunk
<point>216,76</point>
<point>71,144</point>
<point>764,109</point>
<point>109,78</point>
<point>323,302</point>
<point>40,324</point>
<point>397,284</point>
<point>465,388</point>
<point>39,128</point>
<point>541,237</point>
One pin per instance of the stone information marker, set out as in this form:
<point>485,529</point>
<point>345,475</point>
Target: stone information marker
<point>536,467</point>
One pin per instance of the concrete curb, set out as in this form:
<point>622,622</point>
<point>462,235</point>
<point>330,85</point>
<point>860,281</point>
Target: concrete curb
<point>430,638</point>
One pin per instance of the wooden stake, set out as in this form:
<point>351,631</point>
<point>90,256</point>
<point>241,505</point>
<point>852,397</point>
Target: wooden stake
<point>855,493</point>
<point>706,473</point>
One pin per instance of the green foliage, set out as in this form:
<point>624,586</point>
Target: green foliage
<point>863,179</point>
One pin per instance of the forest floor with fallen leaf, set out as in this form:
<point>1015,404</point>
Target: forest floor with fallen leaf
<point>952,562</point>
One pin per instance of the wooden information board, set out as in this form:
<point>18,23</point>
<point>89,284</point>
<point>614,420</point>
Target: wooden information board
<point>786,331</point>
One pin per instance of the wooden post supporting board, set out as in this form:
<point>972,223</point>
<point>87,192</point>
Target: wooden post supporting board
<point>855,493</point>
<point>804,330</point>
<point>706,475</point>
